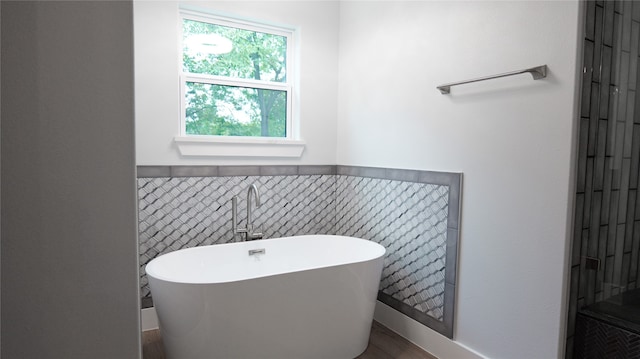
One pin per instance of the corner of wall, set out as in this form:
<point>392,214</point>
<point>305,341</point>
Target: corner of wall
<point>420,335</point>
<point>566,275</point>
<point>0,183</point>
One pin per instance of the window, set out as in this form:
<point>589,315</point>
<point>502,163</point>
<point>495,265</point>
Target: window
<point>236,78</point>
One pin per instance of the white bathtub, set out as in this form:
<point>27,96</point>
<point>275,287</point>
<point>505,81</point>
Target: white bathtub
<point>306,297</point>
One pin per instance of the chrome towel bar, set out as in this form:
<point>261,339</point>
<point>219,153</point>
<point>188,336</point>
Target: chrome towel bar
<point>538,72</point>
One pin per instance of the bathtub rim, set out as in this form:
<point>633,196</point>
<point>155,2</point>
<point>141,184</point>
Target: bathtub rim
<point>380,251</point>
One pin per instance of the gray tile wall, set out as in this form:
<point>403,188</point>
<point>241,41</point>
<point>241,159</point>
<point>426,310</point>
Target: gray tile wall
<point>410,220</point>
<point>183,212</point>
<point>606,241</point>
<point>414,214</point>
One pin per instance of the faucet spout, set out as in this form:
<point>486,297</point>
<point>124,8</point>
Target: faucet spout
<point>248,230</point>
<point>251,235</point>
<point>254,189</point>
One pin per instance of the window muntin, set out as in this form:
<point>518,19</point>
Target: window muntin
<point>235,78</point>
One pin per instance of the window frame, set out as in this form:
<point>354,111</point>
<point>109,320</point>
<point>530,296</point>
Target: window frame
<point>287,86</point>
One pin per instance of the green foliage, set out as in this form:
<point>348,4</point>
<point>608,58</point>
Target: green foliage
<point>236,111</point>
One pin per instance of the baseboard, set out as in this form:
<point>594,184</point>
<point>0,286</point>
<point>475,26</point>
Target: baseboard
<point>149,319</point>
<point>429,340</point>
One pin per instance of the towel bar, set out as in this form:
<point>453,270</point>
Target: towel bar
<point>538,72</point>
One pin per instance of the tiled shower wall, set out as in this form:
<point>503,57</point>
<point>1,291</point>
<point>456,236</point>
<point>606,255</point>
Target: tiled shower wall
<point>414,214</point>
<point>606,243</point>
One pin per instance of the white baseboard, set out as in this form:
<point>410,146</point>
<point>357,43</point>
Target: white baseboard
<point>420,335</point>
<point>149,319</point>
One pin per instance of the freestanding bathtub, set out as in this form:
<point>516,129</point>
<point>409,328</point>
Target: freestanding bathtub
<point>285,298</point>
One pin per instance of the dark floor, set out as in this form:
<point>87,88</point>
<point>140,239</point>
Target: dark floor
<point>383,344</point>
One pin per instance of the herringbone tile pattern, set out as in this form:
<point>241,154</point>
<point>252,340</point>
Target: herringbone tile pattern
<point>596,339</point>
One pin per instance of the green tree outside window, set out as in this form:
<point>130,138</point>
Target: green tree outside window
<point>215,52</point>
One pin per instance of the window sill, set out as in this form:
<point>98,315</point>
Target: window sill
<point>238,147</point>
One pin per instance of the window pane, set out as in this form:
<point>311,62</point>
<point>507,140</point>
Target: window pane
<point>226,51</point>
<point>235,111</point>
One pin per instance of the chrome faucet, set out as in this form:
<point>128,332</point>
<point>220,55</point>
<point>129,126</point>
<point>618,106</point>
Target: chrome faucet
<point>251,235</point>
<point>248,230</point>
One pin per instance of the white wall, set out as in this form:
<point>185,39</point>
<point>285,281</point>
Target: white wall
<point>69,228</point>
<point>512,138</point>
<point>0,185</point>
<point>156,74</point>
